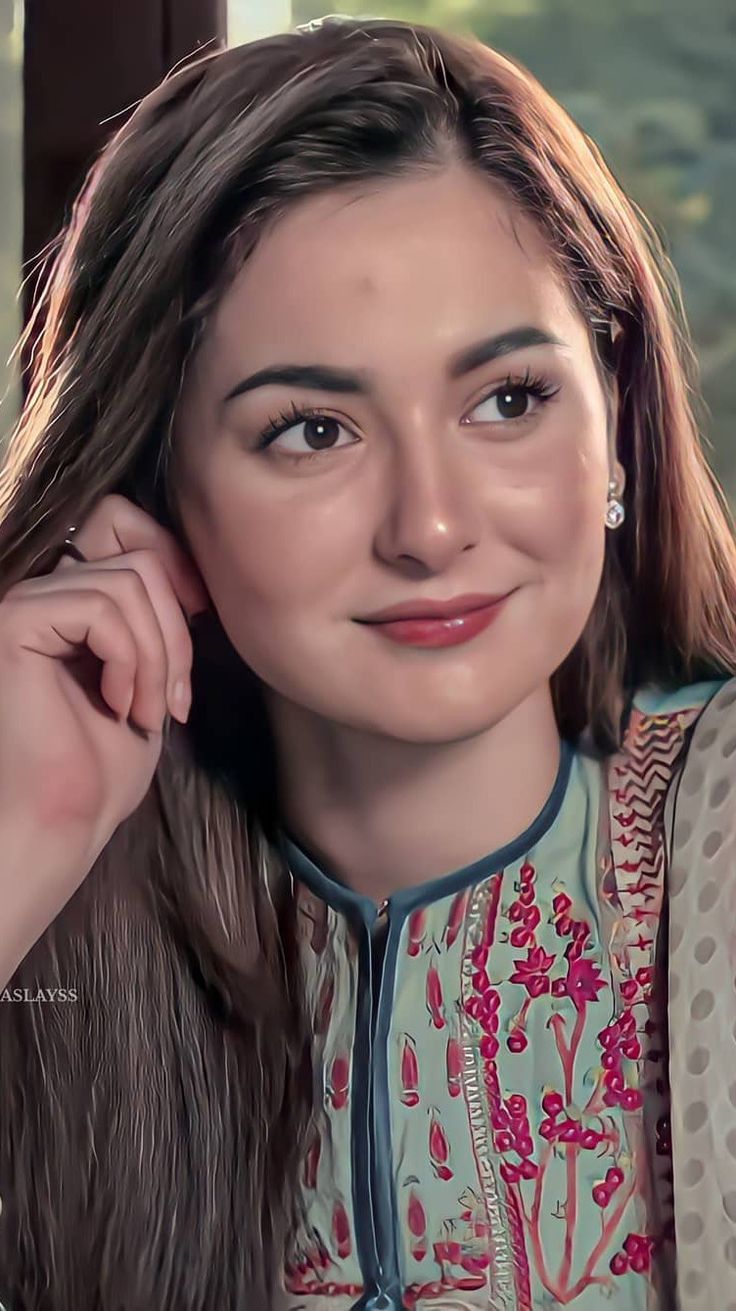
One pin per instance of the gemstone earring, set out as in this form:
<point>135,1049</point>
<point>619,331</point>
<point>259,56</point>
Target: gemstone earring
<point>615,513</point>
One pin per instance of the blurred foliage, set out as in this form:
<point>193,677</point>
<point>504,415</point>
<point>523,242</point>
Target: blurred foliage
<point>653,82</point>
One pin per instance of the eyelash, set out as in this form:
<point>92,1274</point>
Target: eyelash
<point>533,384</point>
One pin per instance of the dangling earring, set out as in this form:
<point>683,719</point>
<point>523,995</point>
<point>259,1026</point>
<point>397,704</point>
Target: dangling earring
<point>615,513</point>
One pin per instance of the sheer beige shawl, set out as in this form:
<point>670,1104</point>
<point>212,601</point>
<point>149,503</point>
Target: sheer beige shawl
<point>700,817</point>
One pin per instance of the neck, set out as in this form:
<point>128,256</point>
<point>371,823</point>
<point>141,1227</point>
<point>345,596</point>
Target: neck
<point>381,815</point>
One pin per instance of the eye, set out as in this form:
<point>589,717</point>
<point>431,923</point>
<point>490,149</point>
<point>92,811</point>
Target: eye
<point>301,424</point>
<point>320,432</point>
<point>513,394</point>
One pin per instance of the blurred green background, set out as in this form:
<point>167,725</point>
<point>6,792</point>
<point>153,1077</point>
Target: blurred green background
<point>654,83</point>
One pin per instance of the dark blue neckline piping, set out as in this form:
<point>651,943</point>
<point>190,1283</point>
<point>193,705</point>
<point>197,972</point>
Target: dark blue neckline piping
<point>376,1217</point>
<point>342,898</point>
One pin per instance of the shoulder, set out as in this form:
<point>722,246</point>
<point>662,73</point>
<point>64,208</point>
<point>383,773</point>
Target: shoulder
<point>662,724</point>
<point>652,699</point>
<point>701,898</point>
<point>676,733</point>
<point>703,806</point>
<point>712,743</point>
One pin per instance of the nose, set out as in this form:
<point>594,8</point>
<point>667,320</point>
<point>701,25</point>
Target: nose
<point>431,505</point>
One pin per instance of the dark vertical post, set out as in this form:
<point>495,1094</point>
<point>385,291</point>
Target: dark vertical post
<point>87,61</point>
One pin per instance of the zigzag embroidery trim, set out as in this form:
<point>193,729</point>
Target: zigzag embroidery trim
<point>639,778</point>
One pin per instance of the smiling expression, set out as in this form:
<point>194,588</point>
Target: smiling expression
<point>397,454</point>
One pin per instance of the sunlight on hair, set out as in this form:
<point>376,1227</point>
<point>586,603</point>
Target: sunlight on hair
<point>11,236</point>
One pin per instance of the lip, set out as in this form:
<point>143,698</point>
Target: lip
<point>440,632</point>
<point>435,610</point>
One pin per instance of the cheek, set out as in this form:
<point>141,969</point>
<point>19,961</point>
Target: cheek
<point>569,525</point>
<point>571,531</point>
<point>270,561</point>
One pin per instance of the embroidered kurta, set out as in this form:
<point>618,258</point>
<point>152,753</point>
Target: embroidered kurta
<point>491,1098</point>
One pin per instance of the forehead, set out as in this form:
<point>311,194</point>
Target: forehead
<point>433,256</point>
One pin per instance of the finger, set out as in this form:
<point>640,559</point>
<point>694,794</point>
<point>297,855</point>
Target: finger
<point>82,618</point>
<point>177,641</point>
<point>126,587</point>
<point>117,526</point>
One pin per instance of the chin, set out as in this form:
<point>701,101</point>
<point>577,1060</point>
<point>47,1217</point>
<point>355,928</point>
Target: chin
<point>433,724</point>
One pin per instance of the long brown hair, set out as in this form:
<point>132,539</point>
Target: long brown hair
<point>147,1131</point>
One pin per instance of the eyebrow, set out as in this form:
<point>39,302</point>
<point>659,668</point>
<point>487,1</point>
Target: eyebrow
<point>324,377</point>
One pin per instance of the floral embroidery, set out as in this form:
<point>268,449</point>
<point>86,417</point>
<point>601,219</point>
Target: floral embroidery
<point>417,1224</point>
<point>439,1149</point>
<point>566,1128</point>
<point>416,933</point>
<point>409,1073</point>
<point>341,1231</point>
<point>311,1161</point>
<point>510,1186</point>
<point>454,1066</point>
<point>455,918</point>
<point>435,1002</point>
<point>339,1084</point>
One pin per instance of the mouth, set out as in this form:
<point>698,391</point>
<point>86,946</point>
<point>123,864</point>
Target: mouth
<point>439,630</point>
<point>425,609</point>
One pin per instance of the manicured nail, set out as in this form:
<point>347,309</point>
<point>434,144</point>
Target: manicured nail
<point>181,698</point>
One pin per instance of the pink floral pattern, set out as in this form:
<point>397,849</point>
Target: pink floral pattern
<point>527,1040</point>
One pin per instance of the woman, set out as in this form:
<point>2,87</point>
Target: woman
<point>356,351</point>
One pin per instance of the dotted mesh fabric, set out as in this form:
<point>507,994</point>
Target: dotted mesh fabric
<point>701,816</point>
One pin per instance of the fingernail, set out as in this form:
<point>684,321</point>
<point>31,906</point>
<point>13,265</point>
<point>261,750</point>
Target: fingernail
<point>181,698</point>
<point>128,701</point>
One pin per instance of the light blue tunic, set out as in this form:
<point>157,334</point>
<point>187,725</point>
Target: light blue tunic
<point>491,1095</point>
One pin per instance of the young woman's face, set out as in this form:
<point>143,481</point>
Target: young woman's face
<point>408,481</point>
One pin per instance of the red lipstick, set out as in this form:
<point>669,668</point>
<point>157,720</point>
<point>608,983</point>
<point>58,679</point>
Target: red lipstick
<point>437,623</point>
